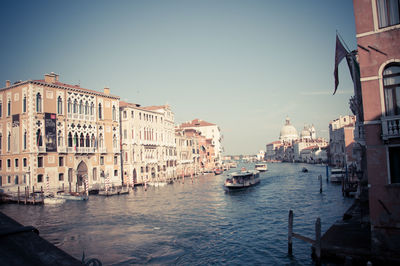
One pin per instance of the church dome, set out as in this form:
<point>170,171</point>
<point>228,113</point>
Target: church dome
<point>305,133</point>
<point>288,132</point>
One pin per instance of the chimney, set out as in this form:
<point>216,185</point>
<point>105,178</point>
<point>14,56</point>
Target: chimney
<point>107,91</point>
<point>8,83</point>
<point>51,78</point>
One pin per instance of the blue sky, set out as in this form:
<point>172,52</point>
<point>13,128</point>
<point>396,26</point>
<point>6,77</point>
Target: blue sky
<point>244,65</point>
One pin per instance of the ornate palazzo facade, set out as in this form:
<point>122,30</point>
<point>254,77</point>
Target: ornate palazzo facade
<point>148,143</point>
<point>55,135</point>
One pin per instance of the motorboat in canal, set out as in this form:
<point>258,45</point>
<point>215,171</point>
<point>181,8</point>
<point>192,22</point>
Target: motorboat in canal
<point>304,170</point>
<point>337,175</point>
<point>262,167</point>
<point>218,171</point>
<point>52,200</point>
<point>72,196</point>
<point>242,179</point>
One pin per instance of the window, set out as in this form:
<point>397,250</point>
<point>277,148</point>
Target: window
<point>25,162</point>
<point>132,114</point>
<point>391,85</point>
<point>81,107</point>
<point>115,159</point>
<point>40,161</point>
<point>59,105</point>
<point>86,108</point>
<point>39,138</point>
<point>75,106</point>
<point>60,161</point>
<point>1,108</point>
<point>115,172</point>
<point>9,179</point>
<point>38,103</point>
<point>1,164</point>
<point>40,178</point>
<point>60,177</point>
<point>91,108</point>
<point>16,163</point>
<point>388,12</point>
<point>69,139</point>
<point>125,134</point>
<point>9,107</point>
<point>100,111</point>
<point>16,180</point>
<point>114,113</point>
<point>9,141</point>
<point>25,140</point>
<point>1,141</point>
<point>69,107</point>
<point>24,104</point>
<point>8,163</point>
<point>101,160</point>
<point>124,114</point>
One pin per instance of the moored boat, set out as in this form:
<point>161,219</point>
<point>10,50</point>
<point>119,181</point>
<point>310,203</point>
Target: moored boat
<point>218,171</point>
<point>242,179</point>
<point>72,196</point>
<point>304,170</point>
<point>337,175</point>
<point>262,167</point>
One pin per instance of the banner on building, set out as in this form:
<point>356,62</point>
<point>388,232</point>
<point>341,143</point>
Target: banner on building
<point>50,132</point>
<point>15,133</point>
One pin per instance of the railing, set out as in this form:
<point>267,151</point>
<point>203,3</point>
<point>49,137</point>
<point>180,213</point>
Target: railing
<point>102,150</point>
<point>41,149</point>
<point>71,150</point>
<point>61,149</point>
<point>390,127</point>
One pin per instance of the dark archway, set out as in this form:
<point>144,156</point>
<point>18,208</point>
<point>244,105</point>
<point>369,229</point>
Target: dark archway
<point>134,176</point>
<point>81,173</point>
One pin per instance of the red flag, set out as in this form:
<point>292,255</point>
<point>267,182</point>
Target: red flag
<point>340,53</point>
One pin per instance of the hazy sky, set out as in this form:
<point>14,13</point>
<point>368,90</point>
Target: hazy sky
<point>244,65</point>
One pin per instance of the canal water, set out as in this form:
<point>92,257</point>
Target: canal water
<point>195,222</point>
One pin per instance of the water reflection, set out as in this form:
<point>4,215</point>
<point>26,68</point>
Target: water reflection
<point>195,222</point>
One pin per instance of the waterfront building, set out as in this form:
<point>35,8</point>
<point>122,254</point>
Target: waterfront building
<point>261,155</point>
<point>378,38</point>
<point>210,131</point>
<point>57,135</point>
<point>270,155</point>
<point>185,155</point>
<point>341,141</point>
<point>147,143</point>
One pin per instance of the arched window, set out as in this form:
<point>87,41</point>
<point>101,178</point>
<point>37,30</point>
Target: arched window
<point>59,105</point>
<point>87,140</point>
<point>80,107</point>
<point>86,108</point>
<point>9,107</point>
<point>9,141</point>
<point>23,104</point>
<point>39,138</point>
<point>91,108</point>
<point>93,144</point>
<point>114,113</point>
<point>82,141</point>
<point>101,140</point>
<point>1,141</point>
<point>60,139</point>
<point>69,106</point>
<point>25,139</point>
<point>100,111</point>
<point>391,85</point>
<point>76,140</point>
<point>75,106</point>
<point>115,141</point>
<point>38,103</point>
<point>1,109</point>
<point>69,139</point>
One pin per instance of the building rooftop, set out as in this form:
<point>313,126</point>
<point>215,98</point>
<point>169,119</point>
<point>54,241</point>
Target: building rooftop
<point>196,123</point>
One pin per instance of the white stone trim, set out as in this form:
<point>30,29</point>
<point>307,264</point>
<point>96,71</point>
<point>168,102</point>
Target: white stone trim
<point>369,78</point>
<point>397,26</point>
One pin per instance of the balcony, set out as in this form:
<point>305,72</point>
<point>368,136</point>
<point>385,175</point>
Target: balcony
<point>62,149</point>
<point>390,127</point>
<point>41,149</point>
<point>359,133</point>
<point>102,149</point>
<point>71,150</point>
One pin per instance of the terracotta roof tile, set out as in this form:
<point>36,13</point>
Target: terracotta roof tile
<point>196,123</point>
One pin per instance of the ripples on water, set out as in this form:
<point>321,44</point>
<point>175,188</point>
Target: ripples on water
<point>194,223</point>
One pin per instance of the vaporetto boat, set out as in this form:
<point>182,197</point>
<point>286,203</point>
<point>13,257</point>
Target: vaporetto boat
<point>242,179</point>
<point>262,167</point>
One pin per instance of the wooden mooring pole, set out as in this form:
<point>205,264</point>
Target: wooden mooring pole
<point>318,240</point>
<point>320,183</point>
<point>316,244</point>
<point>18,195</point>
<point>26,195</point>
<point>33,193</point>
<point>290,233</point>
